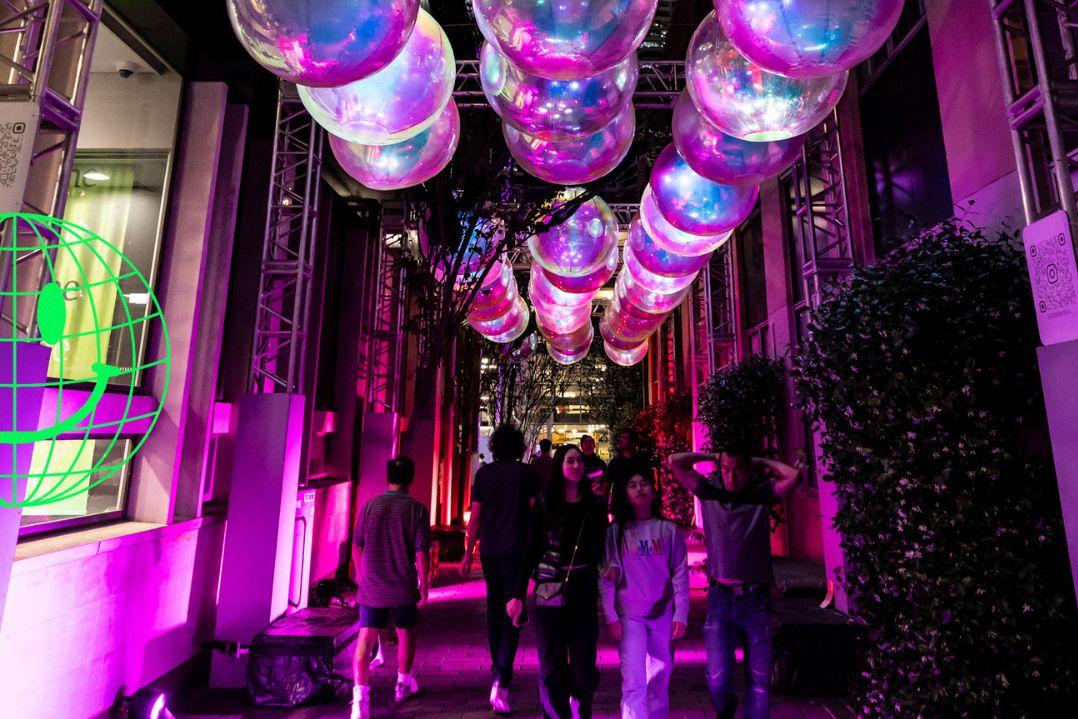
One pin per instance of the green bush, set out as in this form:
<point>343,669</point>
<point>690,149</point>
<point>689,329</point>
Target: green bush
<point>663,429</point>
<point>742,404</point>
<point>922,372</point>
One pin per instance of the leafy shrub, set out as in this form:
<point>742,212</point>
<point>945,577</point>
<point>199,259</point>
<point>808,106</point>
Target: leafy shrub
<point>923,373</point>
<point>742,404</point>
<point>663,429</point>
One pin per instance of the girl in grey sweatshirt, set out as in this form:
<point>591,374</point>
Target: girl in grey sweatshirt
<point>645,594</point>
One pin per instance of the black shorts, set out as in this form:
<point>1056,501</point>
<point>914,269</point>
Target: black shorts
<point>404,616</point>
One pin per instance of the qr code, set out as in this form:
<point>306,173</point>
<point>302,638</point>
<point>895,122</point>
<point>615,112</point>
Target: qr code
<point>12,137</point>
<point>1050,266</point>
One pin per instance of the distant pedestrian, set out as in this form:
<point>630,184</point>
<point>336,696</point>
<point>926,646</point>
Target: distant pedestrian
<point>594,468</point>
<point>736,505</point>
<point>645,593</point>
<point>503,496</point>
<point>391,549</point>
<point>542,463</point>
<point>626,461</point>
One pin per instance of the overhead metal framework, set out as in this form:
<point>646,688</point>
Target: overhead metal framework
<point>279,351</point>
<point>1036,43</point>
<point>660,83</point>
<point>720,310</point>
<point>385,335</point>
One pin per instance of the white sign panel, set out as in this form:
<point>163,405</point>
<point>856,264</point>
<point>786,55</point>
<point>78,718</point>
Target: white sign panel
<point>1054,277</point>
<point>18,127</point>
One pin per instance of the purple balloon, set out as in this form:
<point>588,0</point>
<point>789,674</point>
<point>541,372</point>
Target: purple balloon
<point>565,40</point>
<point>555,109</point>
<point>582,336</point>
<point>694,203</point>
<point>748,102</point>
<point>626,358</point>
<point>808,38</point>
<point>563,324</point>
<point>657,259</point>
<point>574,162</point>
<point>724,158</point>
<point>623,332</point>
<point>493,302</point>
<point>322,43</point>
<point>399,101</point>
<point>508,327</point>
<point>405,163</point>
<point>572,357</point>
<point>671,238</point>
<point>581,244</point>
<point>652,281</point>
<point>587,283</point>
<point>629,291</point>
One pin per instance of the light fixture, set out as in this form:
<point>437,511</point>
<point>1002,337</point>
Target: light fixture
<point>147,704</point>
<point>95,176</point>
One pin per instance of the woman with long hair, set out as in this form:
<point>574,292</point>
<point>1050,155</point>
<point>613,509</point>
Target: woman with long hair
<point>645,592</point>
<point>566,548</point>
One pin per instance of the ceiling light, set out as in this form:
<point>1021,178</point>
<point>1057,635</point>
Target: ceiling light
<point>95,175</point>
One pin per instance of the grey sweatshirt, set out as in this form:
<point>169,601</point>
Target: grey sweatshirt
<point>650,572</point>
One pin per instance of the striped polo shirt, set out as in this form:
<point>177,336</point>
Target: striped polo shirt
<point>391,529</point>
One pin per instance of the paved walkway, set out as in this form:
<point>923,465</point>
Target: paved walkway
<point>452,667</point>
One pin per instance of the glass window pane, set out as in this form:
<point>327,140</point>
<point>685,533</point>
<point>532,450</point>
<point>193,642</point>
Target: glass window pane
<point>60,473</point>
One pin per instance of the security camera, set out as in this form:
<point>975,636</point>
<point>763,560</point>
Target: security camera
<point>126,69</point>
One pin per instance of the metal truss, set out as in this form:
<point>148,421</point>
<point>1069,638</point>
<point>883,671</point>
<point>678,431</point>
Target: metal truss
<point>820,214</point>
<point>385,335</point>
<point>1036,43</point>
<point>660,83</point>
<point>720,313</point>
<point>278,355</point>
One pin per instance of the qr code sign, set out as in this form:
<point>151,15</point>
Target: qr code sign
<point>1050,268</point>
<point>13,137</point>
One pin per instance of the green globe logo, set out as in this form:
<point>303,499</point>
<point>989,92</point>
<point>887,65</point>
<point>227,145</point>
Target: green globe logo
<point>66,288</point>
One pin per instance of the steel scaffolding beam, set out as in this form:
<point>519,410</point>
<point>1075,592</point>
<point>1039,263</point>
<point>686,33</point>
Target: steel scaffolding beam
<point>660,83</point>
<point>278,354</point>
<point>1036,43</point>
<point>385,355</point>
<point>720,316</point>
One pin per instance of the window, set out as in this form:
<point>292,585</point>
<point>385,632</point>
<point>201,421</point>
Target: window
<point>118,189</point>
<point>750,254</point>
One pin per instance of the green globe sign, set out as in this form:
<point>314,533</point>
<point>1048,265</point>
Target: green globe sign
<point>70,294</point>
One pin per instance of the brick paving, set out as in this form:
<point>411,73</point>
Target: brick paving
<point>452,667</point>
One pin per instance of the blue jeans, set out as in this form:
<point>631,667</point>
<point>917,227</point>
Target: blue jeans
<point>732,621</point>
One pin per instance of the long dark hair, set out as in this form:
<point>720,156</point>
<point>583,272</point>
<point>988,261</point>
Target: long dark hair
<point>554,499</point>
<point>620,506</point>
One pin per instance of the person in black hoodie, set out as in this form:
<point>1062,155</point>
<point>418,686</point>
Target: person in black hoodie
<point>565,551</point>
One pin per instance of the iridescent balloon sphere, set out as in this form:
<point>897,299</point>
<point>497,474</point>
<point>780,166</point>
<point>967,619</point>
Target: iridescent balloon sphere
<point>671,238</point>
<point>694,203</point>
<point>574,162</point>
<point>724,158</point>
<point>555,109</point>
<point>572,357</point>
<point>808,38</point>
<point>581,244</point>
<point>748,102</point>
<point>493,301</point>
<point>399,101</point>
<point>562,324</point>
<point>626,358</point>
<point>657,259</point>
<point>565,40</point>
<point>652,280</point>
<point>508,327</point>
<point>629,291</point>
<point>405,163</point>
<point>542,290</point>
<point>587,283</point>
<point>322,43</point>
<point>625,332</point>
<point>569,341</point>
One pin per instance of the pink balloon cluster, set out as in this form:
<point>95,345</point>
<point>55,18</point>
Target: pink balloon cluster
<point>570,262</point>
<point>498,312</point>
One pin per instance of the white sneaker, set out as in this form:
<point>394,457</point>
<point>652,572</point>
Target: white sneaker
<point>361,702</point>
<point>499,699</point>
<point>405,689</point>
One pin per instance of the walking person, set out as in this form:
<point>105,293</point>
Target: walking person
<point>567,534</point>
<point>645,593</point>
<point>736,506</point>
<point>503,495</point>
<point>542,463</point>
<point>594,468</point>
<point>391,549</point>
<point>625,462</point>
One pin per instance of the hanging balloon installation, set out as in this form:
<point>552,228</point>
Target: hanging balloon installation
<point>397,102</point>
<point>626,358</point>
<point>323,43</point>
<point>693,203</point>
<point>748,102</point>
<point>808,38</point>
<point>565,41</point>
<point>671,238</point>
<point>582,243</point>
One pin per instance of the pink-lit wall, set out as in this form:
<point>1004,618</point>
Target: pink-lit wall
<point>82,622</point>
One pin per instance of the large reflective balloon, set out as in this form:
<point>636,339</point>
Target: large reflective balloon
<point>572,357</point>
<point>574,162</point>
<point>405,163</point>
<point>626,358</point>
<point>587,283</point>
<point>694,203</point>
<point>581,244</point>
<point>397,102</point>
<point>569,341</point>
<point>629,291</point>
<point>654,281</point>
<point>542,289</point>
<point>724,158</point>
<point>659,260</point>
<point>323,43</point>
<point>624,333</point>
<point>565,40</point>
<point>808,38</point>
<point>670,238</point>
<point>493,302</point>
<point>748,102</point>
<point>508,327</point>
<point>561,324</point>
<point>555,109</point>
